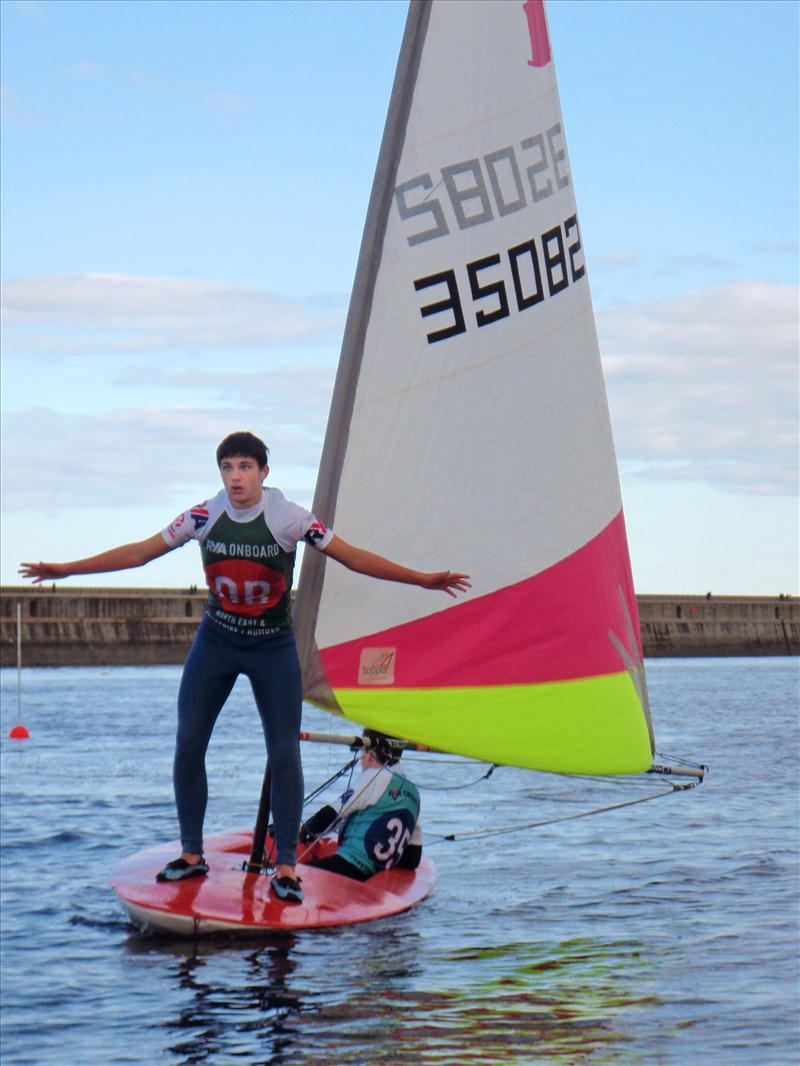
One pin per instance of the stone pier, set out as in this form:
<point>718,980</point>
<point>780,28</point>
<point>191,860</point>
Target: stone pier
<point>70,626</point>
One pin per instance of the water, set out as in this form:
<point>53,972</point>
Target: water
<point>663,933</point>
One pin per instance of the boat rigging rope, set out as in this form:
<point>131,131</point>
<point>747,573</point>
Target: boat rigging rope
<point>455,788</point>
<point>348,766</point>
<point>476,834</point>
<point>679,761</point>
<point>427,788</point>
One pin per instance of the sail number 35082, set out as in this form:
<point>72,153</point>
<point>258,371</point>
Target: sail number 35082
<point>539,267</point>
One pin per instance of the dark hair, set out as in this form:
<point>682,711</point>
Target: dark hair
<point>385,749</point>
<point>243,445</point>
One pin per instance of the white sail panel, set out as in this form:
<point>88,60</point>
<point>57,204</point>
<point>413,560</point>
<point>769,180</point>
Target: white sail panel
<point>488,449</point>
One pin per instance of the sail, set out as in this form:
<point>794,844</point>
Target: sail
<point>469,429</point>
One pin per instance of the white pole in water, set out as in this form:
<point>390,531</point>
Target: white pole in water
<point>19,662</point>
<point>19,732</point>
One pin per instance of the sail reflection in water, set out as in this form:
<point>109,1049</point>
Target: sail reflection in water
<point>523,998</point>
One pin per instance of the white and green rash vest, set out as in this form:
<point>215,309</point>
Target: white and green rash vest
<point>380,811</point>
<point>248,557</point>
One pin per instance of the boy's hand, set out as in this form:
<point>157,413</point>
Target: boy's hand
<point>38,572</point>
<point>447,581</point>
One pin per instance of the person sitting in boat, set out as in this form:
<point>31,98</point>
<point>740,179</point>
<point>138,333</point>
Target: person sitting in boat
<point>377,818</point>
<point>247,535</point>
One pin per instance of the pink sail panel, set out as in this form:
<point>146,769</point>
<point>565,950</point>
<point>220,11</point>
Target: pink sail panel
<point>551,627</point>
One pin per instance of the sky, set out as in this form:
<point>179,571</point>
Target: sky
<point>183,193</point>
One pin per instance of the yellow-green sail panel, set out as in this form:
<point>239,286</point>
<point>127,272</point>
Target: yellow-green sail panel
<point>589,726</point>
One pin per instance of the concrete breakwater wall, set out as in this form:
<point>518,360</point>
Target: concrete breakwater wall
<point>719,625</point>
<point>68,626</point>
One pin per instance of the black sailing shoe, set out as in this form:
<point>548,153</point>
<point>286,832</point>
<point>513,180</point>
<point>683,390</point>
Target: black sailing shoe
<point>180,869</point>
<point>287,889</point>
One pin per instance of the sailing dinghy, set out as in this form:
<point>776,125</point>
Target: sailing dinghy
<point>469,422</point>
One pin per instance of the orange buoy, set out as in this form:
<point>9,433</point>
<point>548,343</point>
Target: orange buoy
<point>19,732</point>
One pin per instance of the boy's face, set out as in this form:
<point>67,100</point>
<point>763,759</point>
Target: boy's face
<point>242,478</point>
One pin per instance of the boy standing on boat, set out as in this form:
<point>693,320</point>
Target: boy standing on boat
<point>377,817</point>
<point>247,535</point>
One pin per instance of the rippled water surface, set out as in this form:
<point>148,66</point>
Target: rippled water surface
<point>666,932</point>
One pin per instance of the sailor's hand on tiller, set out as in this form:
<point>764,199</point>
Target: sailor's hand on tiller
<point>38,572</point>
<point>448,582</point>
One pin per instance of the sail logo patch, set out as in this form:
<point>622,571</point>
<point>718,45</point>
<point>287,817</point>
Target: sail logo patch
<point>376,666</point>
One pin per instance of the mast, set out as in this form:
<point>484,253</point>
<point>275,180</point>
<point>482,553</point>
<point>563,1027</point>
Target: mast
<point>312,573</point>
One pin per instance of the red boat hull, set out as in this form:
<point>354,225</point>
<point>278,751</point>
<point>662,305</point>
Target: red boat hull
<point>229,900</point>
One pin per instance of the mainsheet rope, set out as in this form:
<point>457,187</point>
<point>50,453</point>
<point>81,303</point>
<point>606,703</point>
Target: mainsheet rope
<point>455,788</point>
<point>477,834</point>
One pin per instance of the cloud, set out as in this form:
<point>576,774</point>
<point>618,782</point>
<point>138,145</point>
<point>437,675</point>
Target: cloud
<point>787,248</point>
<point>704,386</point>
<point>32,10</point>
<point>87,70</point>
<point>670,265</point>
<point>108,313</point>
<point>300,392</point>
<point>128,458</point>
<point>188,344</point>
<point>629,274</point>
<point>617,259</point>
<point>731,475</point>
<point>12,108</point>
<point>221,103</point>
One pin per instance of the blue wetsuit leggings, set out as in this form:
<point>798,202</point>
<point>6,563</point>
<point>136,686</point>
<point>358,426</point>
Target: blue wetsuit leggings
<point>212,666</point>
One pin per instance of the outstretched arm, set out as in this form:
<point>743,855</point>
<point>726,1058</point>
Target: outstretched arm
<point>122,558</point>
<point>364,562</point>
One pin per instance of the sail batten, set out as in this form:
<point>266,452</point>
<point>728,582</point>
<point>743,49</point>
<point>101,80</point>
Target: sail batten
<point>469,428</point>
